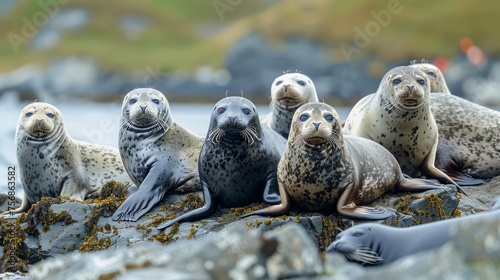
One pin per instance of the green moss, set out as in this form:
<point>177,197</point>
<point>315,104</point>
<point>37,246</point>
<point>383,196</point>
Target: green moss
<point>331,227</point>
<point>166,238</point>
<point>41,213</point>
<point>11,239</point>
<point>92,243</point>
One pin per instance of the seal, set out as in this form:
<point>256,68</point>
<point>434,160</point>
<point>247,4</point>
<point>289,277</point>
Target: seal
<point>159,155</point>
<point>398,117</point>
<point>376,244</point>
<point>468,150</point>
<point>322,169</point>
<point>435,76</point>
<point>288,92</point>
<point>51,163</point>
<point>238,161</point>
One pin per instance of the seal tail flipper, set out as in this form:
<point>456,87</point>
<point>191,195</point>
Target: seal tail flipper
<point>275,210</point>
<point>464,179</point>
<point>25,206</point>
<point>271,193</point>
<point>196,214</point>
<point>347,208</point>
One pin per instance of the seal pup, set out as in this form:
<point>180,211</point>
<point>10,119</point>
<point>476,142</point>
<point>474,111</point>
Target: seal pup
<point>238,160</point>
<point>323,170</point>
<point>159,154</point>
<point>435,76</point>
<point>51,163</point>
<point>376,244</point>
<point>288,92</point>
<point>398,117</point>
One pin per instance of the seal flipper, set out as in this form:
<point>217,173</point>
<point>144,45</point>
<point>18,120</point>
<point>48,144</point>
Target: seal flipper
<point>151,191</point>
<point>25,206</point>
<point>417,185</point>
<point>275,210</point>
<point>464,179</point>
<point>271,193</point>
<point>347,208</point>
<point>196,214</point>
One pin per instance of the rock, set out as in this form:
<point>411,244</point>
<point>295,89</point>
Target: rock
<point>233,253</point>
<point>56,227</point>
<point>5,202</point>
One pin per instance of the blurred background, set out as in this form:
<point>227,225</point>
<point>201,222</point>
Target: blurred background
<point>85,55</point>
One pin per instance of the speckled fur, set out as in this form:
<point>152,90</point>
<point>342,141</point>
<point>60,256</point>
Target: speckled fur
<point>469,136</point>
<point>288,92</point>
<point>159,154</point>
<point>315,176</point>
<point>51,163</point>
<point>408,132</point>
<point>235,170</point>
<point>436,78</point>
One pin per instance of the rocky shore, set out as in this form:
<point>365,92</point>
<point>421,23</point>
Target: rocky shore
<point>61,237</point>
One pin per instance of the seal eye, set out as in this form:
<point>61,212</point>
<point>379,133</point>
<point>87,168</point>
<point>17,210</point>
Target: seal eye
<point>432,74</point>
<point>396,81</point>
<point>328,117</point>
<point>155,101</point>
<point>357,234</point>
<point>246,111</point>
<point>302,83</point>
<point>279,83</point>
<point>50,115</point>
<point>421,82</point>
<point>221,110</point>
<point>304,117</point>
<point>29,114</point>
<point>132,101</point>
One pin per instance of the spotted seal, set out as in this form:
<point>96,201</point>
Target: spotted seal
<point>398,117</point>
<point>288,92</point>
<point>238,160</point>
<point>323,170</point>
<point>51,163</point>
<point>436,77</point>
<point>376,244</point>
<point>159,154</point>
<point>469,140</point>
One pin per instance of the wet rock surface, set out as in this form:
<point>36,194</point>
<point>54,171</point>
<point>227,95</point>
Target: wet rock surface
<point>286,246</point>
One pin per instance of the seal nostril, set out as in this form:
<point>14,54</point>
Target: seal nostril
<point>410,88</point>
<point>143,108</point>
<point>39,121</point>
<point>316,125</point>
<point>286,87</point>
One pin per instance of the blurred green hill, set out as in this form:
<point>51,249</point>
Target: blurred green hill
<point>182,35</point>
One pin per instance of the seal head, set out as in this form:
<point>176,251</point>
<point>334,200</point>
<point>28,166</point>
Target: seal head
<point>288,92</point>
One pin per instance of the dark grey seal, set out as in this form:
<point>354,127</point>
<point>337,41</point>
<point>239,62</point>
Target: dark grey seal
<point>238,161</point>
<point>377,244</point>
<point>158,154</point>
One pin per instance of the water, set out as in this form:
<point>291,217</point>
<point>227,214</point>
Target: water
<point>96,123</point>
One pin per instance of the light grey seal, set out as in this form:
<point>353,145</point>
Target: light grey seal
<point>377,244</point>
<point>436,77</point>
<point>288,92</point>
<point>324,170</point>
<point>51,163</point>
<point>398,117</point>
<point>158,153</point>
<point>238,161</point>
